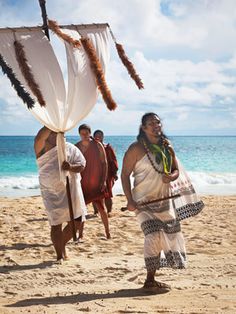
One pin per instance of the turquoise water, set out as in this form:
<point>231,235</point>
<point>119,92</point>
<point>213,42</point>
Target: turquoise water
<point>210,154</point>
<point>209,160</point>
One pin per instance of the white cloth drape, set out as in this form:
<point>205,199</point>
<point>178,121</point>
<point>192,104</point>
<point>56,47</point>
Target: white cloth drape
<point>63,110</point>
<point>160,220</point>
<point>53,191</point>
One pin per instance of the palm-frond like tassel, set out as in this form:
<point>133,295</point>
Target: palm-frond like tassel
<point>99,74</point>
<point>27,73</point>
<point>56,29</point>
<point>129,66</point>
<point>21,92</point>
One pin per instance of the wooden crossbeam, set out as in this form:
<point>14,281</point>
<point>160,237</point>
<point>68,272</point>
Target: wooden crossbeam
<point>70,26</point>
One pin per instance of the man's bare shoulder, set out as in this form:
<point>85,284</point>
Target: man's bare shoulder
<point>134,153</point>
<point>135,147</point>
<point>42,134</point>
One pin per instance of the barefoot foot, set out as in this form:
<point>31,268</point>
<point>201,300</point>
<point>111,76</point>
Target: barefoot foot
<point>108,235</point>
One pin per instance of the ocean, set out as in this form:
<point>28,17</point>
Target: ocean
<point>209,160</point>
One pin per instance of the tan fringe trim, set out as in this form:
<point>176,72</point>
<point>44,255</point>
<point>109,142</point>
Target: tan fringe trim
<point>27,73</point>
<point>129,66</point>
<point>56,29</point>
<point>98,72</point>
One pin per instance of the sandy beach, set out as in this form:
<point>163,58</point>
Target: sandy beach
<point>106,276</point>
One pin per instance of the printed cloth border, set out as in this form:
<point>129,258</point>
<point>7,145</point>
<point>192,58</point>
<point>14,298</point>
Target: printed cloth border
<point>172,226</point>
<point>155,225</point>
<point>175,260</point>
<point>189,210</point>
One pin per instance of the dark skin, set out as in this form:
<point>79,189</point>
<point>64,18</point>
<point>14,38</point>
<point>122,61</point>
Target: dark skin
<point>135,152</point>
<point>83,145</point>
<point>44,141</point>
<point>108,201</point>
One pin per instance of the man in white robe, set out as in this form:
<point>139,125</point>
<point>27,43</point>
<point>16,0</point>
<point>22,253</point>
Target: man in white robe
<point>54,191</point>
<point>162,196</point>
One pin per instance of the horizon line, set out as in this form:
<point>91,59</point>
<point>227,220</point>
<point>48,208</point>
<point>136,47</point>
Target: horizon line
<point>184,135</point>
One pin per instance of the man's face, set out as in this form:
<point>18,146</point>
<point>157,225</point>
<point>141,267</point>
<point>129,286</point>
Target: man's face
<point>153,126</point>
<point>99,136</point>
<point>85,135</point>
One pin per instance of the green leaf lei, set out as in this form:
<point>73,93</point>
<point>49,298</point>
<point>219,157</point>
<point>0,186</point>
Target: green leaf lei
<point>162,154</point>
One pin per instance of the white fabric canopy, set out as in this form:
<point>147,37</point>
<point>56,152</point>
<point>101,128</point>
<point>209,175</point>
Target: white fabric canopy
<point>63,111</point>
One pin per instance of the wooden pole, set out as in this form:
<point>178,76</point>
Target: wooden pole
<point>42,4</point>
<point>70,208</point>
<point>153,201</point>
<point>75,27</point>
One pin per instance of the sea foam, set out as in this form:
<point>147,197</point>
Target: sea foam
<point>21,182</point>
<point>204,183</point>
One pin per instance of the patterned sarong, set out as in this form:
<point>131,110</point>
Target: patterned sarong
<point>160,220</point>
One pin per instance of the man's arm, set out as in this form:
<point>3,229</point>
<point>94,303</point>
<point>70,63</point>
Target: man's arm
<point>39,141</point>
<point>76,161</point>
<point>103,158</point>
<point>73,168</point>
<point>129,162</point>
<point>112,161</point>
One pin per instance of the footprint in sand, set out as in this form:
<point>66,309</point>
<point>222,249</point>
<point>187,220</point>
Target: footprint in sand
<point>105,251</point>
<point>132,278</point>
<point>124,270</point>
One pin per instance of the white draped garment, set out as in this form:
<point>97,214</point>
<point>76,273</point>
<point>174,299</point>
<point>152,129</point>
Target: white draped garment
<point>160,220</point>
<point>53,190</point>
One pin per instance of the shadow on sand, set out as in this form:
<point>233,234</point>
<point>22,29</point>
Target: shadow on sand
<point>124,293</point>
<point>22,246</point>
<point>11,268</point>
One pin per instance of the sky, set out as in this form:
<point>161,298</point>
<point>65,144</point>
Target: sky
<point>184,51</point>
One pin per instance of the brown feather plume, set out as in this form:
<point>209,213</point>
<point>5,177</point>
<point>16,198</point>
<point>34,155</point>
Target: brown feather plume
<point>129,66</point>
<point>27,73</point>
<point>98,72</point>
<point>94,62</point>
<point>56,29</point>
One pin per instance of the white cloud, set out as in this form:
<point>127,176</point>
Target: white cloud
<point>176,52</point>
<point>140,24</point>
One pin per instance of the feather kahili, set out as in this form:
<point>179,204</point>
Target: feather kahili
<point>99,74</point>
<point>129,66</point>
<point>56,29</point>
<point>27,73</point>
<point>20,90</point>
<point>93,59</point>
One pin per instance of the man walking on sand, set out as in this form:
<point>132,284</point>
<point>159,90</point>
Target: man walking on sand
<point>162,196</point>
<point>94,175</point>
<point>112,170</point>
<point>54,191</point>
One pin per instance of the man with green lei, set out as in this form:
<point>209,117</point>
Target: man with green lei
<point>162,195</point>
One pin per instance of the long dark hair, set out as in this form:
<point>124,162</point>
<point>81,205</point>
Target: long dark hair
<point>142,136</point>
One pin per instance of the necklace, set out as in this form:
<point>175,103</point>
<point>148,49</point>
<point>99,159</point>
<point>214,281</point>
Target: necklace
<point>150,159</point>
